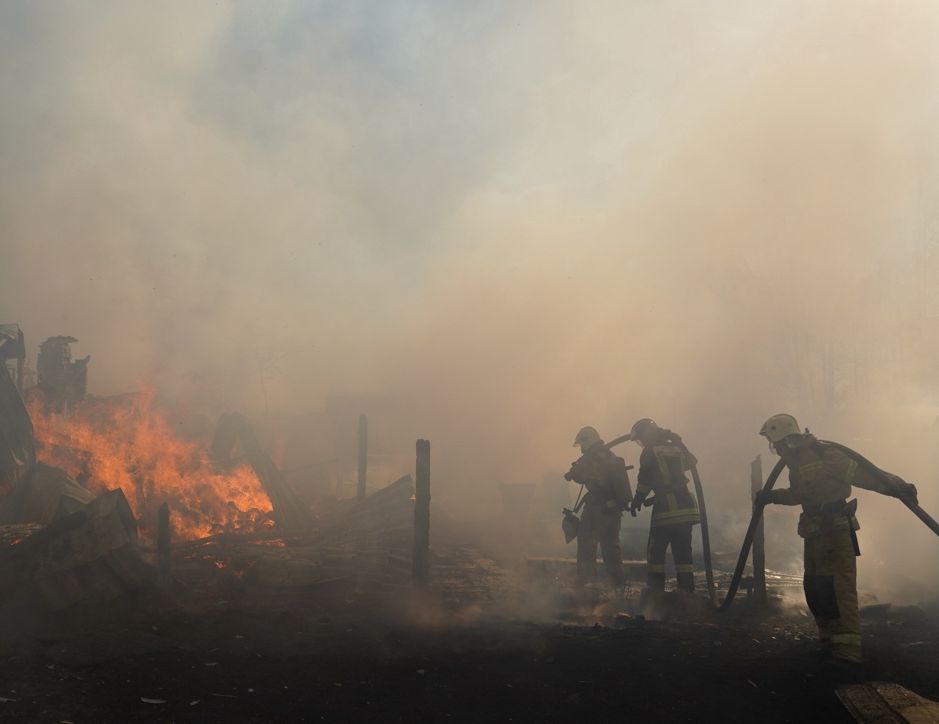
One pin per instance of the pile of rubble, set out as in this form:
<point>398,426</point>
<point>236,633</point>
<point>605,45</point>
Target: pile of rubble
<point>59,544</point>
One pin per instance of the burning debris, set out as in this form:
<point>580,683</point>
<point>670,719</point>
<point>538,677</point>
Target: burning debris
<point>127,442</point>
<point>105,496</point>
<point>232,433</point>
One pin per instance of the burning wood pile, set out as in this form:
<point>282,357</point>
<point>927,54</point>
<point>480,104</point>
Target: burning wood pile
<point>83,484</point>
<point>365,544</point>
<point>128,443</point>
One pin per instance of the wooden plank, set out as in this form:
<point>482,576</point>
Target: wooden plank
<point>363,456</point>
<point>421,557</point>
<point>878,702</point>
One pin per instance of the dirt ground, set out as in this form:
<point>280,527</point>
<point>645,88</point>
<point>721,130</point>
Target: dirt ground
<point>361,656</point>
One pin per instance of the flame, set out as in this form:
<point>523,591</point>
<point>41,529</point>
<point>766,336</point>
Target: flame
<point>128,443</point>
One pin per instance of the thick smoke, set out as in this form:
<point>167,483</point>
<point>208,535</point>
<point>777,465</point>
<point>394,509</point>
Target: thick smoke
<point>515,220</point>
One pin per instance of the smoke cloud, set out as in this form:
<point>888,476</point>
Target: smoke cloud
<point>515,220</point>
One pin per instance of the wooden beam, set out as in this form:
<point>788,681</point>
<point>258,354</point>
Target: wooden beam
<point>363,456</point>
<point>421,558</point>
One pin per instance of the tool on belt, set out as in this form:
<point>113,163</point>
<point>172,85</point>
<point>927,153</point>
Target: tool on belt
<point>571,523</point>
<point>826,516</point>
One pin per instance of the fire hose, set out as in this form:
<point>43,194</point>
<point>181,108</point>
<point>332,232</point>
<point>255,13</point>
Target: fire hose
<point>877,472</point>
<point>705,536</point>
<point>748,538</point>
<point>703,513</point>
<point>771,481</point>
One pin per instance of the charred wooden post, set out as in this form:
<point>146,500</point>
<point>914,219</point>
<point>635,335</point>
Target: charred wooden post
<point>421,558</point>
<point>13,346</point>
<point>363,455</point>
<point>20,374</point>
<point>759,550</point>
<point>164,535</point>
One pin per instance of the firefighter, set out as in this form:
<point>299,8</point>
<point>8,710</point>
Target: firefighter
<point>820,480</point>
<point>662,467</point>
<point>603,474</point>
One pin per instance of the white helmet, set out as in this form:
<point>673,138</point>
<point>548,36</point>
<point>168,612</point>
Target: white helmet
<point>779,427</point>
<point>587,438</point>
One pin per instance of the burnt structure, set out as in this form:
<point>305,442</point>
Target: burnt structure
<point>62,380</point>
<point>17,448</point>
<point>13,348</point>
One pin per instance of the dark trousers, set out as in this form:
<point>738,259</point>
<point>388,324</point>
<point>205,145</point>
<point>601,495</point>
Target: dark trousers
<point>599,525</point>
<point>831,591</point>
<point>679,538</point>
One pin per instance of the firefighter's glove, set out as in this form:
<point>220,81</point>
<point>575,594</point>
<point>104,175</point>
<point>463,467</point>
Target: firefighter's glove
<point>763,498</point>
<point>906,491</point>
<point>634,507</point>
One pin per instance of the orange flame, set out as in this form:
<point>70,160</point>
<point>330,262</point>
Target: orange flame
<point>129,444</point>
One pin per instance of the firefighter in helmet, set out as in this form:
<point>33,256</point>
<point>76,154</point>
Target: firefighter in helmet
<point>820,480</point>
<point>662,466</point>
<point>603,474</point>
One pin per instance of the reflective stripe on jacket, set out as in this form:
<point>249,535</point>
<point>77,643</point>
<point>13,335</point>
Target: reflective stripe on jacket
<point>662,467</point>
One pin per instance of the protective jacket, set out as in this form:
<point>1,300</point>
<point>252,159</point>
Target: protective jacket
<point>603,474</point>
<point>820,480</point>
<point>662,467</point>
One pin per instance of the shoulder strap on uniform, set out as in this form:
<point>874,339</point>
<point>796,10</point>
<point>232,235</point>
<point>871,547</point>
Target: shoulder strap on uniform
<point>675,439</point>
<point>579,503</point>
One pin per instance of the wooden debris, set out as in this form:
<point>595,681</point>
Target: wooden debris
<point>89,555</point>
<point>363,457</point>
<point>44,494</point>
<point>420,557</point>
<point>886,703</point>
<point>290,514</point>
<point>17,448</point>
